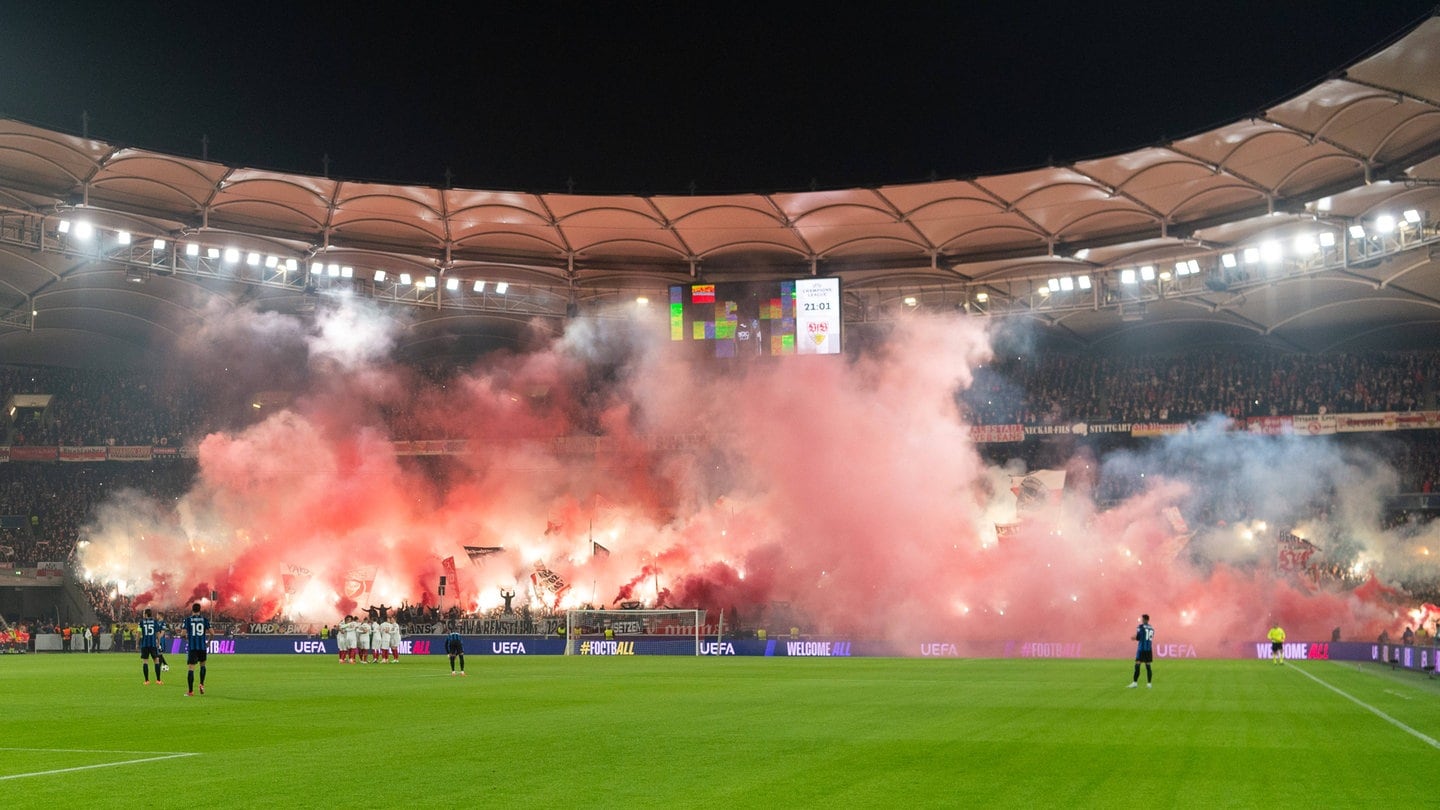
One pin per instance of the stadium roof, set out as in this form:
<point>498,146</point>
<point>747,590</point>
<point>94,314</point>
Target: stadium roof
<point>1288,228</point>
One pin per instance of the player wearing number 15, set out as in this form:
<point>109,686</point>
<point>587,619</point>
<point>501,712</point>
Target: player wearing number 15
<point>150,645</point>
<point>1144,651</point>
<point>197,638</point>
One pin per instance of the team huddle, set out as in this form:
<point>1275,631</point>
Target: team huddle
<point>367,641</point>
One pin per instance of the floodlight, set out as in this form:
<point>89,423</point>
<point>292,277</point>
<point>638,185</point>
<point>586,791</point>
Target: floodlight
<point>642,301</point>
<point>1067,283</point>
<point>1327,239</point>
<point>232,255</point>
<point>1181,269</point>
<point>291,265</point>
<point>333,269</point>
<point>501,287</point>
<point>1127,276</point>
<point>452,284</point>
<point>1228,259</point>
<point>123,237</point>
<point>404,278</point>
<point>1252,255</point>
<point>1357,231</point>
<point>479,286</point>
<point>1082,254</point>
<point>982,297</point>
<point>1194,266</point>
<point>212,253</point>
<point>1385,223</point>
<point>379,276</point>
<point>158,244</point>
<point>253,259</point>
<point>64,226</point>
<point>1270,251</point>
<point>346,271</point>
<point>1083,280</point>
<point>430,282</point>
<point>1053,285</point>
<point>84,230</point>
<point>272,262</point>
<point>1412,216</point>
<point>910,301</point>
<point>1164,275</point>
<point>192,249</point>
<point>1147,273</point>
<point>1305,244</point>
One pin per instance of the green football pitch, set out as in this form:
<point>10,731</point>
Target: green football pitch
<point>297,731</point>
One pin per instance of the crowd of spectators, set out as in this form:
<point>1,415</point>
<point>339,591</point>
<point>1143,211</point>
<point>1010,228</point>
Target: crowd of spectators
<point>1061,388</point>
<point>93,407</point>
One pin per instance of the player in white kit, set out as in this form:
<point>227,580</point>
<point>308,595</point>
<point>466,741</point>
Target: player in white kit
<point>393,639</point>
<point>364,639</point>
<point>342,644</point>
<point>351,641</point>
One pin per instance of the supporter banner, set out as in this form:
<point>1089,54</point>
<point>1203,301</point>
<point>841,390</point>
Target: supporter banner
<point>50,569</point>
<point>1269,425</point>
<point>1077,429</point>
<point>131,453</point>
<point>430,447</point>
<point>82,453</point>
<point>34,453</point>
<point>1363,422</point>
<point>1417,420</point>
<point>1314,425</point>
<point>1158,428</point>
<point>1114,427</point>
<point>995,434</point>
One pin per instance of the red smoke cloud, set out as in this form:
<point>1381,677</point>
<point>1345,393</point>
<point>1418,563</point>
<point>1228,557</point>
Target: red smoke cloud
<point>843,495</point>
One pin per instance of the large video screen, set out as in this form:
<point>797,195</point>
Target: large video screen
<point>758,318</point>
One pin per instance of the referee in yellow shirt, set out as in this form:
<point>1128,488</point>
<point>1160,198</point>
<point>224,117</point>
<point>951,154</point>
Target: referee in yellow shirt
<point>1277,644</point>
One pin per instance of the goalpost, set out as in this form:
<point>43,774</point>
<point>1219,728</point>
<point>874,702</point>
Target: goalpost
<point>633,632</point>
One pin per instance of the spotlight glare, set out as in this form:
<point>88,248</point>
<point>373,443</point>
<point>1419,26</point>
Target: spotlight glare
<point>1385,223</point>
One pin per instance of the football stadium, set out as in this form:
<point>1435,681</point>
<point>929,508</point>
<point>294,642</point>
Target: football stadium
<point>1109,480</point>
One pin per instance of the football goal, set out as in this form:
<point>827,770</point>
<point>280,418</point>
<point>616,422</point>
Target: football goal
<point>633,632</point>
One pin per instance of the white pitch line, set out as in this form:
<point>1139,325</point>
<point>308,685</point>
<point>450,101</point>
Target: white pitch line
<point>1431,741</point>
<point>88,767</point>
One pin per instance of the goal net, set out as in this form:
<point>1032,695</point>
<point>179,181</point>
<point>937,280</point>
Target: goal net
<point>633,632</point>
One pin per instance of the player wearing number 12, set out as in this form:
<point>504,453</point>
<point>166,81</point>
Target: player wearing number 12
<point>197,638</point>
<point>1144,651</point>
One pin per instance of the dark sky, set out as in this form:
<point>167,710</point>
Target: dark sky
<point>649,97</point>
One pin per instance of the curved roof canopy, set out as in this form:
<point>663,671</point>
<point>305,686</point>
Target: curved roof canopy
<point>1310,226</point>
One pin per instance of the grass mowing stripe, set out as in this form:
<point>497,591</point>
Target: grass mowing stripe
<point>1427,739</point>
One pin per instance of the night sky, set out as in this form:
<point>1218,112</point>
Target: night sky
<point>651,98</point>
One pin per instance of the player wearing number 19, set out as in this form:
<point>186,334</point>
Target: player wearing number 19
<point>197,637</point>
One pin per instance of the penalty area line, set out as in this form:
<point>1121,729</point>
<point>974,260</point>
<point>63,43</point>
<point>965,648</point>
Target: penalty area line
<point>87,767</point>
<point>1428,740</point>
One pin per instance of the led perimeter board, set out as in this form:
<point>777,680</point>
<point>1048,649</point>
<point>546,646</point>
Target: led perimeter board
<point>758,318</point>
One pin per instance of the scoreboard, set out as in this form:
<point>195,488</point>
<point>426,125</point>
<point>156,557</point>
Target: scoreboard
<point>758,318</point>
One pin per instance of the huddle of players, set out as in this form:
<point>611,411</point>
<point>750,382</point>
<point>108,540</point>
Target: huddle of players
<point>367,641</point>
